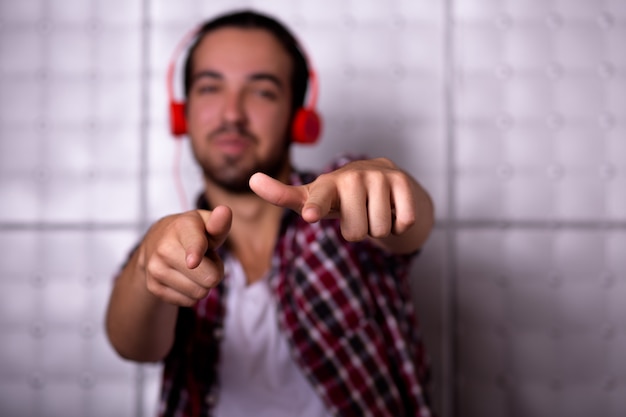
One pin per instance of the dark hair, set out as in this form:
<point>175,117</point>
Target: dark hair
<point>247,19</point>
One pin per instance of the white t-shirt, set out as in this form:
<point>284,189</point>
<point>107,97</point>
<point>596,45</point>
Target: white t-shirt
<point>257,374</point>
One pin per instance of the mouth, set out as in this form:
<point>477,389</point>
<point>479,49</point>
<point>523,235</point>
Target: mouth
<point>232,144</point>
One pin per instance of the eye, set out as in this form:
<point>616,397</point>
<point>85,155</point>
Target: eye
<point>266,93</point>
<point>207,89</point>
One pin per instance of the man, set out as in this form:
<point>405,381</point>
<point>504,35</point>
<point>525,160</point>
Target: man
<point>283,294</point>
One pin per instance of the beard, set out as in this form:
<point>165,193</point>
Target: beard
<point>232,173</point>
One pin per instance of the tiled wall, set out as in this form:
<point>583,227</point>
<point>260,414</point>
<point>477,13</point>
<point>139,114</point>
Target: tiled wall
<point>540,207</point>
<point>511,112</point>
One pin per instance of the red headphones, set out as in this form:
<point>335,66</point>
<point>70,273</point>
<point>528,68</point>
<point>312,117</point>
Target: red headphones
<point>306,126</point>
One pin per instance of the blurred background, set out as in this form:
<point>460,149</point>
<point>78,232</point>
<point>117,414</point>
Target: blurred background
<point>511,112</point>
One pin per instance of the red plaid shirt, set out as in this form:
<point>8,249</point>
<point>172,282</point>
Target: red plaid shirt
<point>346,311</point>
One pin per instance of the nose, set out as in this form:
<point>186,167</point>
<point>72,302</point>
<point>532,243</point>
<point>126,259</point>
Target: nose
<point>233,110</point>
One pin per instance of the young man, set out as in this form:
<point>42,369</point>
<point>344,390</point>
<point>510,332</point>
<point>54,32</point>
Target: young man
<point>283,294</point>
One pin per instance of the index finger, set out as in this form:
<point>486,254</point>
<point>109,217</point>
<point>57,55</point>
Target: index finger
<point>275,192</point>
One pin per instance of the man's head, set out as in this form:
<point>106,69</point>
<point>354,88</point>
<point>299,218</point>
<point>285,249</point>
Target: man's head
<point>254,20</point>
<point>244,79</point>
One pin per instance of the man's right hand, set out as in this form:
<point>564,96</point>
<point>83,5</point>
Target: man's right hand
<point>178,255</point>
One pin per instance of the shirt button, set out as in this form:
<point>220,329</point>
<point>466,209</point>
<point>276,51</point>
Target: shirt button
<point>218,333</point>
<point>210,399</point>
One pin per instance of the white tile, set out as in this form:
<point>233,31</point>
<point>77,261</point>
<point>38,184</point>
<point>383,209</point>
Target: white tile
<point>581,256</point>
<point>68,150</point>
<point>20,150</point>
<point>21,100</point>
<point>66,199</point>
<point>480,196</point>
<point>532,356</point>
<point>581,198</point>
<point>528,255</point>
<point>616,199</point>
<point>478,46</point>
<point>62,356</point>
<point>543,299</point>
<point>531,398</point>
<point>21,50</point>
<point>20,200</point>
<point>481,98</point>
<point>484,356</point>
<point>529,46</point>
<point>17,350</point>
<point>65,302</point>
<point>64,256</point>
<point>69,101</point>
<point>580,47</point>
<point>529,196</point>
<point>588,396</point>
<point>17,397</point>
<point>581,99</point>
<point>116,103</point>
<point>531,98</point>
<point>577,9</point>
<point>70,11</point>
<point>64,398</point>
<point>616,242</point>
<point>69,50</point>
<point>18,304</point>
<point>613,46</point>
<point>481,303</point>
<point>116,149</point>
<point>118,12</point>
<point>105,362</point>
<point>165,11</point>
<point>479,398</point>
<point>114,199</point>
<point>476,9</point>
<point>29,11</point>
<point>117,50</point>
<point>582,311</point>
<point>99,398</point>
<point>20,254</point>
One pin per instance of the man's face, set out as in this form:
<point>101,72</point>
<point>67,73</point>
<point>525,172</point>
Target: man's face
<point>239,106</point>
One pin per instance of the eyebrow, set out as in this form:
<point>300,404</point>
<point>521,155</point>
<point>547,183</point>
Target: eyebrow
<point>257,76</point>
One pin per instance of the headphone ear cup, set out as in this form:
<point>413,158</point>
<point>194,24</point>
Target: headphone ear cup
<point>306,126</point>
<point>178,121</point>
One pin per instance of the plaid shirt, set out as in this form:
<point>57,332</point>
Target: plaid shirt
<point>346,311</point>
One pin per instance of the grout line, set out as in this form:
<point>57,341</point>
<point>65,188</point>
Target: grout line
<point>143,220</point>
<point>70,226</point>
<point>448,307</point>
<point>552,225</point>
<point>442,224</point>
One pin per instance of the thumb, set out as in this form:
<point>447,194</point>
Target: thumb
<point>216,227</point>
<point>277,193</point>
<point>217,224</point>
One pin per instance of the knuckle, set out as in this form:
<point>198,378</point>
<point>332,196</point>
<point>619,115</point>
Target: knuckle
<point>352,235</point>
<point>404,223</point>
<point>380,231</point>
<point>350,178</point>
<point>185,302</point>
<point>155,288</point>
<point>212,279</point>
<point>152,286</point>
<point>198,293</point>
<point>163,250</point>
<point>400,178</point>
<point>154,268</point>
<point>385,162</point>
